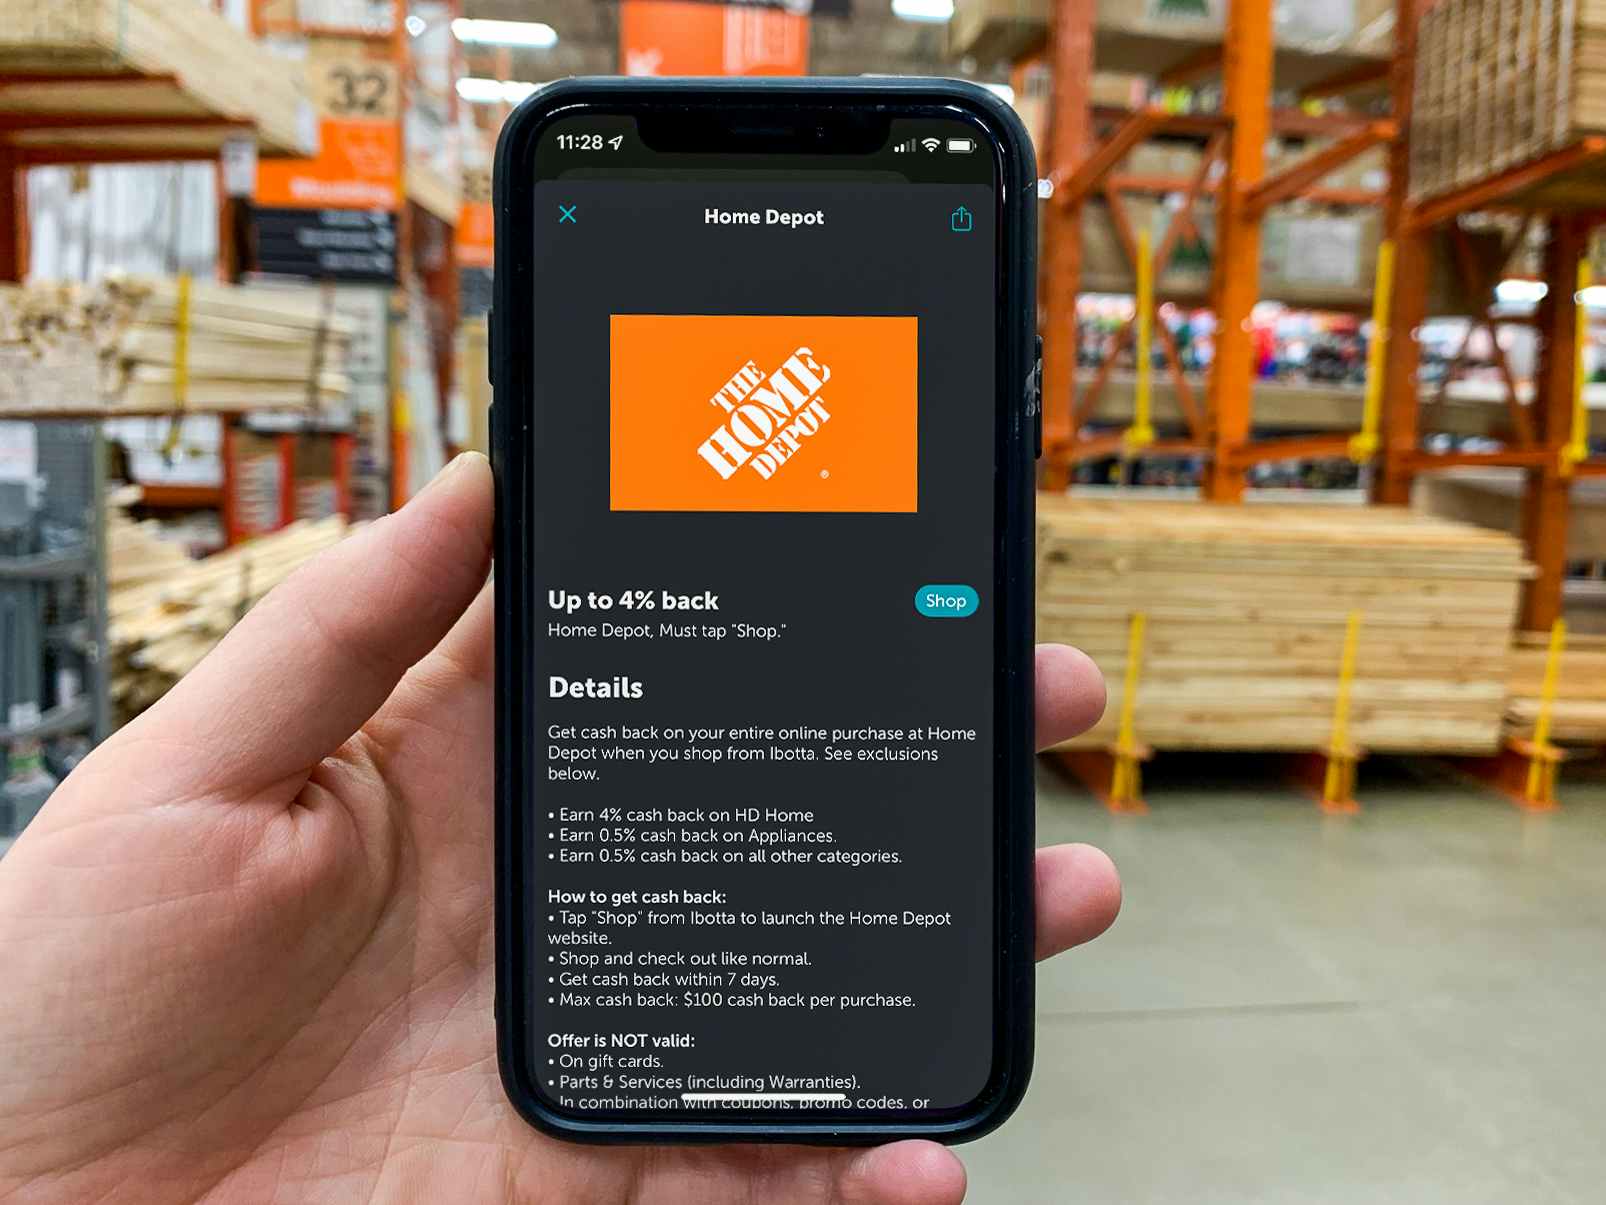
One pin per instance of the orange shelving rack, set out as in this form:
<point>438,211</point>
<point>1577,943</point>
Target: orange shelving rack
<point>1086,147</point>
<point>1565,189</point>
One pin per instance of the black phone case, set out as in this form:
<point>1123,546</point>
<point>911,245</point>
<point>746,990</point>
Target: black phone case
<point>1019,424</point>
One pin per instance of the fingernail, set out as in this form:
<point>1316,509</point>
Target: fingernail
<point>453,466</point>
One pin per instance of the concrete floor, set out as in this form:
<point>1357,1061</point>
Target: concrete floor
<point>1403,1006</point>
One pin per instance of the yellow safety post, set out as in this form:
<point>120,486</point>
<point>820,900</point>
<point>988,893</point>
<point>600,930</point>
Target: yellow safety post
<point>1141,433</point>
<point>1338,784</point>
<point>1576,448</point>
<point>1363,447</point>
<point>1542,757</point>
<point>1126,781</point>
<point>181,364</point>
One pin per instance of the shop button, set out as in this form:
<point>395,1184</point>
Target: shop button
<point>946,602</point>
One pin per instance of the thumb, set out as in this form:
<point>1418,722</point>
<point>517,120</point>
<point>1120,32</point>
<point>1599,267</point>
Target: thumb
<point>318,656</point>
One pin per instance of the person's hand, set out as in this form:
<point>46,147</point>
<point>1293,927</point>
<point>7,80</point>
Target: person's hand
<point>247,944</point>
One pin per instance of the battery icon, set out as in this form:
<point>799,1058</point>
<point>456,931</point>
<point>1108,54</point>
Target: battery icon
<point>961,146</point>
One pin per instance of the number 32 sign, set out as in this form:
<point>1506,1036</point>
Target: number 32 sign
<point>359,162</point>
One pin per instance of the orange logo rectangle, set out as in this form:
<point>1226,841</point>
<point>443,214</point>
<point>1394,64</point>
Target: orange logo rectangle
<point>760,413</point>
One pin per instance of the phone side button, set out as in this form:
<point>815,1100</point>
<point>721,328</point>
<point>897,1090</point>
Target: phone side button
<point>1034,401</point>
<point>490,347</point>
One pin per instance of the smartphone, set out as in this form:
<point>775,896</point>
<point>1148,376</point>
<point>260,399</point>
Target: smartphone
<point>764,427</point>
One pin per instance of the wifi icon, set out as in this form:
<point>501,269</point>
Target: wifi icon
<point>931,144</point>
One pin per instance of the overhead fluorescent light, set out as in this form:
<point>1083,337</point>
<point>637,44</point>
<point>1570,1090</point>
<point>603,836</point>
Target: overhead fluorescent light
<point>537,35</point>
<point>1520,292</point>
<point>923,10</point>
<point>494,91</point>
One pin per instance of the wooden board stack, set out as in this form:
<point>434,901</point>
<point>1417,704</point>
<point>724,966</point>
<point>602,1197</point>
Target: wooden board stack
<point>114,348</point>
<point>161,60</point>
<point>165,612</point>
<point>1246,612</point>
<point>135,552</point>
<point>1503,82</point>
<point>1578,715</point>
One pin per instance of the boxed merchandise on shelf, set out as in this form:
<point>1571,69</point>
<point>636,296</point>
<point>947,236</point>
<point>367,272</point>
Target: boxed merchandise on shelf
<point>1313,25</point>
<point>1149,37</point>
<point>1307,258</point>
<point>371,17</point>
<point>1034,99</point>
<point>316,491</point>
<point>1178,161</point>
<point>1311,256</point>
<point>997,30</point>
<point>1246,611</point>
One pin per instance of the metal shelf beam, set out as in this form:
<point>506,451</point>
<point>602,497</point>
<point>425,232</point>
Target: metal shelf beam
<point>1246,74</point>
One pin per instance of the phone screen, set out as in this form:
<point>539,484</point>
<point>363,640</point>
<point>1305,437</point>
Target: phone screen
<point>764,427</point>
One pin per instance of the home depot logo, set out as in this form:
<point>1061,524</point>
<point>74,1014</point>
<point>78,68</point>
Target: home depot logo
<point>767,419</point>
<point>816,413</point>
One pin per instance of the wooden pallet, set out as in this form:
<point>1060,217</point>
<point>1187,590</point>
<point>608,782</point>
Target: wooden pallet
<point>1246,609</point>
<point>142,78</point>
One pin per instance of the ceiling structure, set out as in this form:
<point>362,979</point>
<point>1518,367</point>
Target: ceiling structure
<point>871,41</point>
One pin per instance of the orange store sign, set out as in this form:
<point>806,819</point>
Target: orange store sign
<point>359,162</point>
<point>691,37</point>
<point>358,167</point>
<point>476,221</point>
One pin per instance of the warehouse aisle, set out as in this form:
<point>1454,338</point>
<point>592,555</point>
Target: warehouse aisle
<point>1402,1006</point>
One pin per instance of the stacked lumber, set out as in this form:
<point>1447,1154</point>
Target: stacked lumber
<point>1503,82</point>
<point>1247,608</point>
<point>434,191</point>
<point>1578,714</point>
<point>135,552</point>
<point>163,617</point>
<point>116,348</point>
<point>162,60</point>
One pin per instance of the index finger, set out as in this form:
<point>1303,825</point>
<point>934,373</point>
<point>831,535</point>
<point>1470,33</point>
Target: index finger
<point>1070,694</point>
<point>1078,889</point>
